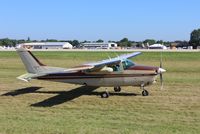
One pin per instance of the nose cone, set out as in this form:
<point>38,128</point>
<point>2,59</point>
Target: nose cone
<point>161,70</point>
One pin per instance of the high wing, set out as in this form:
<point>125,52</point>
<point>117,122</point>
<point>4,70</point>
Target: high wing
<point>131,55</point>
<point>94,66</point>
<point>112,61</point>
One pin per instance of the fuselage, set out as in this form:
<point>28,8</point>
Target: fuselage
<point>134,75</point>
<point>114,72</point>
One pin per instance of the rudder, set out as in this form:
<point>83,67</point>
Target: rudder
<point>32,64</point>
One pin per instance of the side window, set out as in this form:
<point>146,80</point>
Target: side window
<point>116,68</point>
<point>124,64</point>
<point>127,63</point>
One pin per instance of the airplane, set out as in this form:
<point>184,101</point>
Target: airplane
<point>112,72</point>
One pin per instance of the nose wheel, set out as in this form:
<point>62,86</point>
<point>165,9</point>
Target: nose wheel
<point>105,94</point>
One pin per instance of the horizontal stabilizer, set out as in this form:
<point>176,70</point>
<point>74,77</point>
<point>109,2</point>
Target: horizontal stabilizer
<point>28,76</point>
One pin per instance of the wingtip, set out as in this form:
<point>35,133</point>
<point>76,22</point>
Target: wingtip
<point>139,52</point>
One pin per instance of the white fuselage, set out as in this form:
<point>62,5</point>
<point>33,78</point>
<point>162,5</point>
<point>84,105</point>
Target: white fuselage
<point>112,82</point>
<point>126,78</point>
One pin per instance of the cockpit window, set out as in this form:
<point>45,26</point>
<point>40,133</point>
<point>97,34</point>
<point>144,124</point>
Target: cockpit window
<point>127,63</point>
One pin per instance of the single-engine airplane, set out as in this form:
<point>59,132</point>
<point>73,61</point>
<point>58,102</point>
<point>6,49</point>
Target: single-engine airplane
<point>113,72</point>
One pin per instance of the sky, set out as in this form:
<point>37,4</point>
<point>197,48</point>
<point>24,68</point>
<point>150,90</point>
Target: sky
<point>137,20</point>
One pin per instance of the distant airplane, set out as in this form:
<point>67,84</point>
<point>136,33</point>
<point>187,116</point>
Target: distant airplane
<point>113,72</point>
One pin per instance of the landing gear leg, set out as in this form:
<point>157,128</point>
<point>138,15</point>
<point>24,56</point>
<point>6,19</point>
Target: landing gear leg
<point>105,94</point>
<point>117,89</point>
<point>144,92</point>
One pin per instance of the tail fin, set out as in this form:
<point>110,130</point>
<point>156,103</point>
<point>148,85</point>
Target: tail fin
<point>32,64</point>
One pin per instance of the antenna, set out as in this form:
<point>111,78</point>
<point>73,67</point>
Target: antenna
<point>117,56</point>
<point>108,56</point>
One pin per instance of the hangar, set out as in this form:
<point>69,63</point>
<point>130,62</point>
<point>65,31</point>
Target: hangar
<point>46,45</point>
<point>157,46</point>
<point>101,45</point>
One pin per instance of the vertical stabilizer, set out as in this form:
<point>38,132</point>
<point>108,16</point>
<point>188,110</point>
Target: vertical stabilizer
<point>32,64</point>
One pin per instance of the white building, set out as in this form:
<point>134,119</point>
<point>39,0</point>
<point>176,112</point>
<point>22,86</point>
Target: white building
<point>157,46</point>
<point>47,45</point>
<point>96,45</point>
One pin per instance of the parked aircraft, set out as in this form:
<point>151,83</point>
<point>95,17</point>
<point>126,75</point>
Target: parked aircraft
<point>113,72</point>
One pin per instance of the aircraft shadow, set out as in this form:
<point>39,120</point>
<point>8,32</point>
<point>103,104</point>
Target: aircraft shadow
<point>22,91</point>
<point>63,96</point>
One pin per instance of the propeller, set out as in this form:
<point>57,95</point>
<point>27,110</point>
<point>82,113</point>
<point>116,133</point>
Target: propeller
<point>161,81</point>
<point>161,70</point>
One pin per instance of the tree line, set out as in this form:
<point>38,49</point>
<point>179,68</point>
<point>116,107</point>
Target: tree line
<point>125,42</point>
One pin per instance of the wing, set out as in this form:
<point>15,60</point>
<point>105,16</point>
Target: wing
<point>131,55</point>
<point>112,61</point>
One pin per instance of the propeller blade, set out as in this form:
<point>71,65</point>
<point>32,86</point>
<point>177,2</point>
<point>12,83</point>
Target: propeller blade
<point>161,81</point>
<point>161,76</point>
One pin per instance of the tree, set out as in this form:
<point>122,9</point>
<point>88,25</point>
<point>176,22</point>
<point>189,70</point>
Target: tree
<point>75,43</point>
<point>51,40</point>
<point>7,42</point>
<point>195,38</point>
<point>21,41</point>
<point>28,40</point>
<point>181,43</point>
<point>99,41</point>
<point>149,41</point>
<point>110,41</point>
<point>160,42</point>
<point>139,44</point>
<point>124,40</point>
<point>125,43</point>
<point>86,41</point>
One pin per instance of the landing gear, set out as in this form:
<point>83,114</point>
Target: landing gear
<point>117,89</point>
<point>105,94</point>
<point>145,93</point>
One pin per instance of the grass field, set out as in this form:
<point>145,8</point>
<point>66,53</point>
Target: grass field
<point>41,107</point>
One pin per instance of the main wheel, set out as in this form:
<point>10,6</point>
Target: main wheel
<point>105,95</point>
<point>117,89</point>
<point>145,93</point>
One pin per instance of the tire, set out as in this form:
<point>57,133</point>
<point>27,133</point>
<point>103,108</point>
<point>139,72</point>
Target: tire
<point>145,93</point>
<point>117,89</point>
<point>105,95</point>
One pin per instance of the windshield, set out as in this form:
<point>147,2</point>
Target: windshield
<point>127,63</point>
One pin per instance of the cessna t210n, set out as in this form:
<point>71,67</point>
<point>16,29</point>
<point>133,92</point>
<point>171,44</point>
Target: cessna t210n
<point>113,72</point>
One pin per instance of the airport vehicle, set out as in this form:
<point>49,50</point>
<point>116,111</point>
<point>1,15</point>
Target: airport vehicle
<point>113,72</point>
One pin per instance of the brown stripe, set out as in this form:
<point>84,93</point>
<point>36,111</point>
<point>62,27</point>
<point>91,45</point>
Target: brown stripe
<point>97,76</point>
<point>41,64</point>
<point>140,67</point>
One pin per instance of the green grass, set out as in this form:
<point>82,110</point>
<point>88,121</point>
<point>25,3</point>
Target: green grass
<point>176,109</point>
